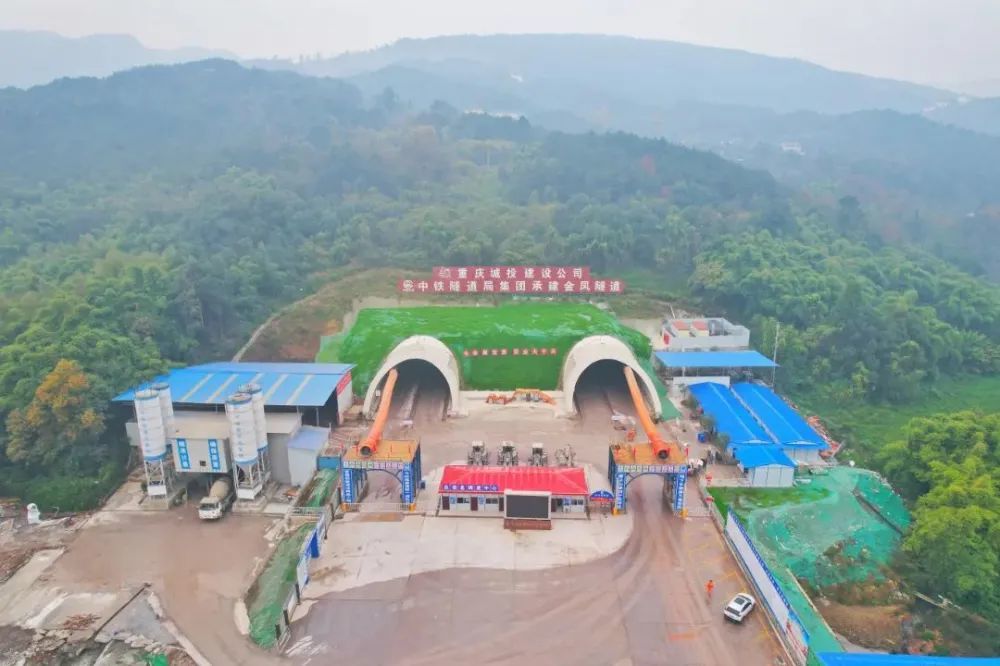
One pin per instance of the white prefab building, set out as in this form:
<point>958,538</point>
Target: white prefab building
<point>303,449</point>
<point>766,466</point>
<point>704,334</point>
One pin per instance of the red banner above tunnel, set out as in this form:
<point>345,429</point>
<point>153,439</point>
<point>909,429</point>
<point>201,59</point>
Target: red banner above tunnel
<point>511,273</point>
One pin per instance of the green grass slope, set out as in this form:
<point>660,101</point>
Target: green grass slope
<point>552,326</point>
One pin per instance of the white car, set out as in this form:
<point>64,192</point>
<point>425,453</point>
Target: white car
<point>739,607</point>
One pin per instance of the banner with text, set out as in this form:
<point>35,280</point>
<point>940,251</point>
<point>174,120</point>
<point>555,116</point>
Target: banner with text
<point>503,286</point>
<point>511,272</point>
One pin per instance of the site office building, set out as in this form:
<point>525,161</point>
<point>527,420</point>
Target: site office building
<point>467,489</point>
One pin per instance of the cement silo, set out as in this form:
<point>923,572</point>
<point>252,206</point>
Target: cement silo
<point>247,472</point>
<point>166,409</point>
<point>158,465</point>
<point>149,418</point>
<point>256,394</point>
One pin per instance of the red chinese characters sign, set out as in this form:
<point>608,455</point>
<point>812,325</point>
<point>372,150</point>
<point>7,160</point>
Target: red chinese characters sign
<point>537,287</point>
<point>517,351</point>
<point>511,273</point>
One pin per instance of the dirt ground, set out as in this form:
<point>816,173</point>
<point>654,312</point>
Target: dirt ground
<point>875,627</point>
<point>197,570</point>
<point>645,604</point>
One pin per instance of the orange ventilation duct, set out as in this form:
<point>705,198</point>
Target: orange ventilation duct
<point>369,444</point>
<point>660,447</point>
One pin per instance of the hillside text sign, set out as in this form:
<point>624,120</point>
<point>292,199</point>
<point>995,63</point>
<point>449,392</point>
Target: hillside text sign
<point>526,280</point>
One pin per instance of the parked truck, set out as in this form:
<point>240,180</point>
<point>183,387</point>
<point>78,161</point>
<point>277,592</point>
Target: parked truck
<point>217,501</point>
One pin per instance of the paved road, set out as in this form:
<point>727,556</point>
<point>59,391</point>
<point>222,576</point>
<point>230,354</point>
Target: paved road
<point>644,605</point>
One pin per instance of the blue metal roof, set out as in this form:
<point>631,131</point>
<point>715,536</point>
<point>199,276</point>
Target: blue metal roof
<point>283,384</point>
<point>717,359</point>
<point>779,419</point>
<point>852,659</point>
<point>731,418</point>
<point>759,456</point>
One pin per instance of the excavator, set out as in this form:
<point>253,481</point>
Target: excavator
<point>660,447</point>
<point>369,444</point>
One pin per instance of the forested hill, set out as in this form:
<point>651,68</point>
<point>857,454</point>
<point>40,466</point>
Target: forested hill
<point>980,115</point>
<point>31,58</point>
<point>166,117</point>
<point>157,216</point>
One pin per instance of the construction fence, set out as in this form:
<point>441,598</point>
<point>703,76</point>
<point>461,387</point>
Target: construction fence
<point>784,618</point>
<point>277,591</point>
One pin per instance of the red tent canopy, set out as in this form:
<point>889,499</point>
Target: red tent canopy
<point>495,480</point>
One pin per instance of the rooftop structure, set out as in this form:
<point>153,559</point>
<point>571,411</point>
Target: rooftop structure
<point>751,457</point>
<point>714,359</point>
<point>850,659</point>
<point>731,417</point>
<point>492,480</point>
<point>705,334</point>
<point>782,422</point>
<point>282,384</point>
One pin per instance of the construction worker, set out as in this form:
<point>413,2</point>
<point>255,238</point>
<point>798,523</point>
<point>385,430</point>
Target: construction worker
<point>709,586</point>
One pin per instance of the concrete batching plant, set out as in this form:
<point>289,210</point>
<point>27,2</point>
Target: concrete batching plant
<point>153,439</point>
<point>248,472</point>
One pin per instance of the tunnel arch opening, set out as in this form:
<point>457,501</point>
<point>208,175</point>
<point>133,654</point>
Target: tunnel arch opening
<point>421,392</point>
<point>432,356</point>
<point>597,348</point>
<point>603,383</point>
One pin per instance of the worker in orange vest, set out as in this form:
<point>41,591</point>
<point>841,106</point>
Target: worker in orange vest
<point>709,586</point>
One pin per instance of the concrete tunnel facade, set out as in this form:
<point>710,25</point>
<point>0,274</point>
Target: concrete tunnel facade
<point>422,348</point>
<point>596,348</point>
<point>581,356</point>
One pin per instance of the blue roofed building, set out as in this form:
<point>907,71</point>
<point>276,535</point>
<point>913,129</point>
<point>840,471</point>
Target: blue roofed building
<point>782,423</point>
<point>766,466</point>
<point>867,659</point>
<point>301,403</point>
<point>731,418</point>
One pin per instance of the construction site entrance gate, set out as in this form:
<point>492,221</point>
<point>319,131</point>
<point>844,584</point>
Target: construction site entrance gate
<point>621,475</point>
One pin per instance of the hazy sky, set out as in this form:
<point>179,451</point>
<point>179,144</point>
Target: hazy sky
<point>922,40</point>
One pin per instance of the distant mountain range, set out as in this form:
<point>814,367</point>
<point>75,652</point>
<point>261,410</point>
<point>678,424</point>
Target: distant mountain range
<point>34,58</point>
<point>591,74</point>
<point>594,82</point>
<point>979,115</point>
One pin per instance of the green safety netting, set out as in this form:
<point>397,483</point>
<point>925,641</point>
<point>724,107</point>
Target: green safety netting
<point>267,597</point>
<point>529,326</point>
<point>841,527</point>
<point>321,487</point>
<point>844,537</point>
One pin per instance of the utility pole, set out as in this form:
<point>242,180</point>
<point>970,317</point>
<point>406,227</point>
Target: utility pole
<point>774,356</point>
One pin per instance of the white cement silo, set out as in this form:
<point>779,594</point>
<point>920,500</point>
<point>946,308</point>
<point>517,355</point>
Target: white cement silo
<point>149,419</point>
<point>166,409</point>
<point>259,418</point>
<point>242,429</point>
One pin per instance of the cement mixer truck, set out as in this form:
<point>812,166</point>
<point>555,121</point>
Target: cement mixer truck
<point>217,501</point>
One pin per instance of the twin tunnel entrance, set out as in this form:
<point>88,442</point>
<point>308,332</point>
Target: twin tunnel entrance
<point>428,381</point>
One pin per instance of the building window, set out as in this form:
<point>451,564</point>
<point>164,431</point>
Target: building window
<point>202,463</point>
